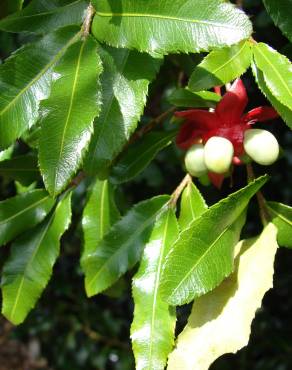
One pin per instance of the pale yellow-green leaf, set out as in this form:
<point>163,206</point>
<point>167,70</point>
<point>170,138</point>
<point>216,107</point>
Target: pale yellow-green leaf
<point>220,321</point>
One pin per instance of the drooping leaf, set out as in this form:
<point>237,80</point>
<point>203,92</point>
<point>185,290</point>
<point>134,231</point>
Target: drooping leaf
<point>277,72</point>
<point>21,212</point>
<point>281,13</point>
<point>139,155</point>
<point>186,98</point>
<point>42,16</point>
<point>203,254</point>
<point>23,169</point>
<point>68,114</point>
<point>121,247</point>
<point>220,320</point>
<point>29,267</point>
<point>221,66</point>
<point>282,219</point>
<point>100,213</point>
<point>187,26</point>
<point>152,330</point>
<point>124,92</point>
<point>192,205</point>
<point>25,79</point>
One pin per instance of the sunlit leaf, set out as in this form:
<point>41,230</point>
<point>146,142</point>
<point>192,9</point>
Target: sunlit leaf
<point>282,219</point>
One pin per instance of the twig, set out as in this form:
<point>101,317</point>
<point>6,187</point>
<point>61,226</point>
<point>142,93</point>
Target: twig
<point>239,3</point>
<point>176,194</point>
<point>90,11</point>
<point>111,342</point>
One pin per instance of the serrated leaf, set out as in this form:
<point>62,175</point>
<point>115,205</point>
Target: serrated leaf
<point>124,92</point>
<point>22,212</point>
<point>23,169</point>
<point>68,114</point>
<point>221,66</point>
<point>42,16</point>
<point>277,72</point>
<point>29,267</point>
<point>192,205</point>
<point>152,330</point>
<point>220,321</point>
<point>282,219</point>
<point>139,155</point>
<point>100,213</point>
<point>25,79</point>
<point>203,254</point>
<point>186,98</point>
<point>187,26</point>
<point>121,247</point>
<point>281,13</point>
<point>285,112</point>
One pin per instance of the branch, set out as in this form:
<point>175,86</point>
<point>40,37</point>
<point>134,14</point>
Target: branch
<point>90,11</point>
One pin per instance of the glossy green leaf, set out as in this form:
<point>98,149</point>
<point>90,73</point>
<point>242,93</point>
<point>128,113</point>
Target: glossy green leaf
<point>124,92</point>
<point>152,330</point>
<point>203,255</point>
<point>121,247</point>
<point>221,66</point>
<point>29,267</point>
<point>169,27</point>
<point>21,212</point>
<point>192,205</point>
<point>25,79</point>
<point>100,213</point>
<point>23,169</point>
<point>282,219</point>
<point>281,13</point>
<point>186,98</point>
<point>68,114</point>
<point>42,16</point>
<point>139,155</point>
<point>277,72</point>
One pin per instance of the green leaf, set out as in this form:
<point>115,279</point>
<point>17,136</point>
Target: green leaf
<point>9,6</point>
<point>29,267</point>
<point>22,212</point>
<point>23,169</point>
<point>124,92</point>
<point>25,79</point>
<point>281,13</point>
<point>42,16</point>
<point>221,66</point>
<point>220,321</point>
<point>186,98</point>
<point>285,112</point>
<point>277,72</point>
<point>282,219</point>
<point>6,154</point>
<point>139,155</point>
<point>100,213</point>
<point>121,247</point>
<point>152,330</point>
<point>188,26</point>
<point>203,255</point>
<point>192,205</point>
<point>68,114</point>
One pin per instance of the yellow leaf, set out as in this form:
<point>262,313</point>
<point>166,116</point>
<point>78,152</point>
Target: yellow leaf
<point>220,321</point>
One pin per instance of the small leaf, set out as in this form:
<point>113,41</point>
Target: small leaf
<point>192,205</point>
<point>186,98</point>
<point>22,212</point>
<point>29,267</point>
<point>152,330</point>
<point>281,13</point>
<point>139,155</point>
<point>68,114</point>
<point>23,169</point>
<point>277,72</point>
<point>121,247</point>
<point>188,27</point>
<point>203,254</point>
<point>282,219</point>
<point>221,66</point>
<point>220,320</point>
<point>42,16</point>
<point>124,92</point>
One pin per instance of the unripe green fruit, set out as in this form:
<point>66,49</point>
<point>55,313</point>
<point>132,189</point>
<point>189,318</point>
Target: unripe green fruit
<point>218,154</point>
<point>194,160</point>
<point>261,146</point>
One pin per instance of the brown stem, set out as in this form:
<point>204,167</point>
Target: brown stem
<point>87,21</point>
<point>176,194</point>
<point>111,342</point>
